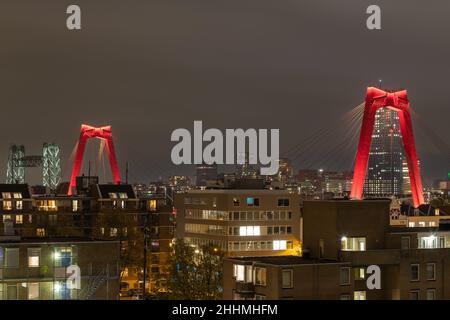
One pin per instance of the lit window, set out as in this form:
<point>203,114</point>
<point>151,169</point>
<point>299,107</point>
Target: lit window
<point>252,202</point>
<point>33,291</point>
<point>75,205</point>
<point>33,257</point>
<point>360,273</point>
<point>353,244</point>
<point>236,202</point>
<point>7,205</point>
<point>260,276</point>
<point>113,232</point>
<point>40,232</point>
<point>422,224</point>
<point>279,245</point>
<point>19,219</point>
<point>152,205</point>
<point>239,272</point>
<point>359,295</point>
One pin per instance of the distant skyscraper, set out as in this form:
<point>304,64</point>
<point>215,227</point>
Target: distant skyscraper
<point>205,172</point>
<point>285,170</point>
<point>15,173</point>
<point>385,169</point>
<point>51,165</point>
<point>244,169</point>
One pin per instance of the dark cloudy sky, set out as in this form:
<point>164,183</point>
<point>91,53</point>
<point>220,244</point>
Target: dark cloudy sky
<point>149,67</point>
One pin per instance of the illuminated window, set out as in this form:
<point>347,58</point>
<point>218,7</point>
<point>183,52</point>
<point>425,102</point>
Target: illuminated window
<point>359,295</point>
<point>40,232</point>
<point>113,232</point>
<point>429,242</point>
<point>152,205</point>
<point>19,219</point>
<point>7,205</point>
<point>279,245</point>
<point>260,276</point>
<point>74,205</point>
<point>360,273</point>
<point>252,202</point>
<point>33,257</point>
<point>19,205</point>
<point>422,224</point>
<point>239,272</point>
<point>17,195</point>
<point>236,202</point>
<point>353,244</point>
<point>411,224</point>
<point>63,256</point>
<point>7,217</point>
<point>33,291</point>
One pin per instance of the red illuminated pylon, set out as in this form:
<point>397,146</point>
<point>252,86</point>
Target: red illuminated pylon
<point>86,133</point>
<point>398,101</point>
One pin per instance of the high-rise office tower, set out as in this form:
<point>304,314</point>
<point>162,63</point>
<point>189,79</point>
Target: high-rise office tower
<point>204,173</point>
<point>385,168</point>
<point>15,173</point>
<point>51,165</point>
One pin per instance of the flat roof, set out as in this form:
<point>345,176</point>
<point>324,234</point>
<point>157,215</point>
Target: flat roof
<point>284,260</point>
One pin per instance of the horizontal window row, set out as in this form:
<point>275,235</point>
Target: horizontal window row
<point>238,215</point>
<point>259,245</point>
<point>238,230</point>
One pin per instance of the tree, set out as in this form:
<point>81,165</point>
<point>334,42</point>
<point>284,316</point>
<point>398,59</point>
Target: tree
<point>194,274</point>
<point>130,235</point>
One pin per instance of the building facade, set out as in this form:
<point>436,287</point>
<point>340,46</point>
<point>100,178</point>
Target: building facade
<point>240,222</point>
<point>385,167</point>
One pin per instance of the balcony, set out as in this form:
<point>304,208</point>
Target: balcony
<point>244,287</point>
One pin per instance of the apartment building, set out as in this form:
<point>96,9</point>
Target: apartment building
<point>286,278</point>
<point>241,222</point>
<point>348,246</point>
<point>97,211</point>
<point>58,268</point>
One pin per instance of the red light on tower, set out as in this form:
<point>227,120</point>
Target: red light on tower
<point>86,133</point>
<point>398,101</point>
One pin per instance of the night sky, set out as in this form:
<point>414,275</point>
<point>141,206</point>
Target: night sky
<point>149,67</point>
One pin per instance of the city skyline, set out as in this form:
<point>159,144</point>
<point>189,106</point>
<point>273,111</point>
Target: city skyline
<point>220,70</point>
